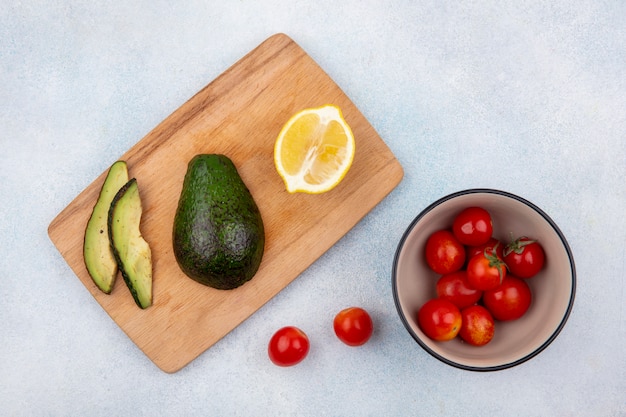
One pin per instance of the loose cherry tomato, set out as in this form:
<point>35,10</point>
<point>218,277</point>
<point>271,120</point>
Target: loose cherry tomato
<point>353,326</point>
<point>524,257</point>
<point>288,346</point>
<point>485,271</point>
<point>510,300</point>
<point>478,325</point>
<point>491,244</point>
<point>439,319</point>
<point>444,253</point>
<point>455,287</point>
<point>472,226</point>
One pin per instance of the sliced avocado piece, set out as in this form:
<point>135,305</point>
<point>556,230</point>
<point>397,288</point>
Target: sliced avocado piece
<point>218,234</point>
<point>131,251</point>
<point>97,252</point>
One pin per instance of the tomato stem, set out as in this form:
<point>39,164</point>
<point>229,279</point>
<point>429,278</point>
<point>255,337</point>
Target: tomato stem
<point>517,245</point>
<point>495,261</point>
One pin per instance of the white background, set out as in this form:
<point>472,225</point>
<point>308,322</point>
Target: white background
<point>527,97</point>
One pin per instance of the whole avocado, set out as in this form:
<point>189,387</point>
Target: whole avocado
<point>218,236</point>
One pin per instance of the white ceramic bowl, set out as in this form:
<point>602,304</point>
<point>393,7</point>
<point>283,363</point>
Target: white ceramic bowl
<point>553,288</point>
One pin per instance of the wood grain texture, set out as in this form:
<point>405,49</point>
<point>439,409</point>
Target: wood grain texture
<point>240,115</point>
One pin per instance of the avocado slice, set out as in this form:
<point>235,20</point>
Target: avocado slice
<point>97,252</point>
<point>132,253</point>
<point>218,235</point>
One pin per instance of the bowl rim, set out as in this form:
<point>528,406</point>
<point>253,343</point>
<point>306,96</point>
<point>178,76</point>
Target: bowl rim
<point>394,280</point>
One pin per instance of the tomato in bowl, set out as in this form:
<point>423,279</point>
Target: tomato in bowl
<point>553,288</point>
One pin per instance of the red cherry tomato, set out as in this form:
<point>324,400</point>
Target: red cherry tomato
<point>478,325</point>
<point>510,300</point>
<point>439,319</point>
<point>524,257</point>
<point>444,253</point>
<point>491,244</point>
<point>288,346</point>
<point>353,326</point>
<point>456,288</point>
<point>485,271</point>
<point>472,226</point>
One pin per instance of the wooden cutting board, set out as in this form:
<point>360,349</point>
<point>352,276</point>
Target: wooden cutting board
<point>240,115</point>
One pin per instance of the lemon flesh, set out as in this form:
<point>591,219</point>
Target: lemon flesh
<point>314,150</point>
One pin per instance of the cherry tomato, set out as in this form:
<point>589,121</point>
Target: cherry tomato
<point>473,226</point>
<point>288,346</point>
<point>485,271</point>
<point>524,257</point>
<point>510,300</point>
<point>456,288</point>
<point>444,253</point>
<point>439,319</point>
<point>491,244</point>
<point>353,326</point>
<point>478,325</point>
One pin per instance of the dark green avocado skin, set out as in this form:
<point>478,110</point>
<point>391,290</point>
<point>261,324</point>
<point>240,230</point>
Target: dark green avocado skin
<point>218,230</point>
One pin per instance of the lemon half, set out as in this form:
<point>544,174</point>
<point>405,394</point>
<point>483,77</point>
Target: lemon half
<point>314,150</point>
